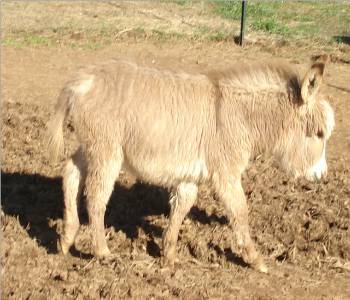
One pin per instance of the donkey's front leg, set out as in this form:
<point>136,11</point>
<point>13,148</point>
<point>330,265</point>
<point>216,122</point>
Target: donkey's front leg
<point>233,197</point>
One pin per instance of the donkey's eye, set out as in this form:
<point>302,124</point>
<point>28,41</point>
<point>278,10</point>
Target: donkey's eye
<point>320,134</point>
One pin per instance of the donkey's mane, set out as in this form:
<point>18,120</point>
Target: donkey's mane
<point>258,77</point>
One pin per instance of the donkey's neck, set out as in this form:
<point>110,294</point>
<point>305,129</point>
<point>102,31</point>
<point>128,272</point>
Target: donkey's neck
<point>268,119</point>
<point>260,119</point>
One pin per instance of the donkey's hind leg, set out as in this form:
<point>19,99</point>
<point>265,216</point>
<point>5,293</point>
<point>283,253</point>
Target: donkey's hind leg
<point>180,203</point>
<point>73,182</point>
<point>103,170</point>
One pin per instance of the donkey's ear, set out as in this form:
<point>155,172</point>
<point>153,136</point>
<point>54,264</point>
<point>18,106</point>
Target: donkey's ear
<point>313,81</point>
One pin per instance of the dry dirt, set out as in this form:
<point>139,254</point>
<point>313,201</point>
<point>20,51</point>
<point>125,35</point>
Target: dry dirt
<point>301,228</point>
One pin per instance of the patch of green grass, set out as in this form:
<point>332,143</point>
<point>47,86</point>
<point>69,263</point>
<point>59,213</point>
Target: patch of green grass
<point>10,42</point>
<point>232,9</point>
<point>290,18</point>
<point>261,16</point>
<point>228,9</point>
<point>26,40</point>
<point>271,26</point>
<point>37,40</point>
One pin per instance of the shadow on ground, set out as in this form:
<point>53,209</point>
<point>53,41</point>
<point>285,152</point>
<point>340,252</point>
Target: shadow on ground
<point>345,39</point>
<point>37,200</point>
<point>34,200</point>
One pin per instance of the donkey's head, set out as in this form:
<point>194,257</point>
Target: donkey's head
<point>303,147</point>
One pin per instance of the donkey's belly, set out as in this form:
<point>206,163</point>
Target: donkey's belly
<point>166,172</point>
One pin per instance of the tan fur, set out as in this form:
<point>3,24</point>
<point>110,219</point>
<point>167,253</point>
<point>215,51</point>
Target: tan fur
<point>178,130</point>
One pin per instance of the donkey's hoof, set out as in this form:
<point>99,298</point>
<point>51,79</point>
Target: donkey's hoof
<point>103,254</point>
<point>259,265</point>
<point>168,262</point>
<point>108,259</point>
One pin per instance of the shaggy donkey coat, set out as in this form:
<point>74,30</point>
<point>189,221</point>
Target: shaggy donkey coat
<point>178,130</point>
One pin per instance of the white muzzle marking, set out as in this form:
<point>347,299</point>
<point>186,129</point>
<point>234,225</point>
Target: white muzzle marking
<point>319,170</point>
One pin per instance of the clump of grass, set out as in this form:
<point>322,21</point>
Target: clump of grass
<point>219,36</point>
<point>202,30</point>
<point>161,35</point>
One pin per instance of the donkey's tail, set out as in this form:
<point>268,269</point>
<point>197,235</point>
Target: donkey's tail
<point>65,102</point>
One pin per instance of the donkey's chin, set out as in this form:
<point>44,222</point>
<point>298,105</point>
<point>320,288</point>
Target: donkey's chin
<point>315,173</point>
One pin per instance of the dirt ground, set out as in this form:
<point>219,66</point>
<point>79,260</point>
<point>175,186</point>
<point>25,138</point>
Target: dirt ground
<point>301,228</point>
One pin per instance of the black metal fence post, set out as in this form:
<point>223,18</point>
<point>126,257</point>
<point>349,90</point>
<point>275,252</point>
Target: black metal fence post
<point>241,36</point>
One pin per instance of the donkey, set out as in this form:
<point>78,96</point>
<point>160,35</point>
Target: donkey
<point>179,130</point>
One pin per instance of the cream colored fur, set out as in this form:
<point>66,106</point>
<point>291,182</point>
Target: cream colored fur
<point>178,130</point>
